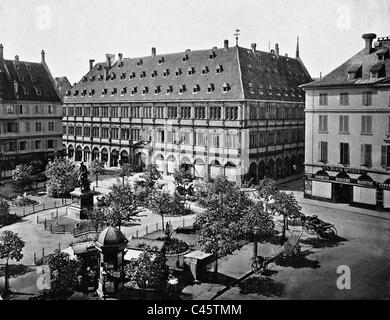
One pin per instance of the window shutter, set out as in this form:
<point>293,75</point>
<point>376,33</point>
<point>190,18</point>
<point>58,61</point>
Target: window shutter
<point>383,156</point>
<point>341,152</point>
<point>369,154</point>
<point>347,153</point>
<point>346,124</point>
<point>325,158</point>
<point>362,155</point>
<point>341,123</point>
<point>325,123</point>
<point>388,125</point>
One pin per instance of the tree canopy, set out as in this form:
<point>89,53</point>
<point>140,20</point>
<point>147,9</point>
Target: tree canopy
<point>62,177</point>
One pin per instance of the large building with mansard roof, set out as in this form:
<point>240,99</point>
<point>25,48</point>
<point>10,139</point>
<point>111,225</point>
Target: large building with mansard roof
<point>30,113</point>
<point>232,111</point>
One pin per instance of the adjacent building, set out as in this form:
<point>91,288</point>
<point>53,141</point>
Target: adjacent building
<point>63,86</point>
<point>30,113</point>
<point>347,156</point>
<point>233,111</point>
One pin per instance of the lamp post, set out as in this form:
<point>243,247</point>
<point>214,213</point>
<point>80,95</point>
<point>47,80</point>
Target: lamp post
<point>104,274</point>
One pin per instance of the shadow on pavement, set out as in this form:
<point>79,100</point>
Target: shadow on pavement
<point>298,262</point>
<point>263,286</point>
<point>15,270</point>
<point>322,243</point>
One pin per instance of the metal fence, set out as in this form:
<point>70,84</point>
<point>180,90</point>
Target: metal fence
<point>40,257</point>
<point>54,204</point>
<point>158,226</point>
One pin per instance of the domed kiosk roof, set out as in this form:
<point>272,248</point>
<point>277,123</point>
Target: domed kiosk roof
<point>111,237</point>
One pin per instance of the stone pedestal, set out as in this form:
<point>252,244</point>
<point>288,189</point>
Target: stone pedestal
<point>81,203</point>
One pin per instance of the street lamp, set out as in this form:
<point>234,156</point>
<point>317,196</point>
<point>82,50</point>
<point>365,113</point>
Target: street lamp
<point>104,274</point>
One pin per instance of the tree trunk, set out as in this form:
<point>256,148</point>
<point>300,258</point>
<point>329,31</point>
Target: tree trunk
<point>123,181</point>
<point>97,179</point>
<point>284,228</point>
<point>162,221</point>
<point>255,249</point>
<point>216,264</point>
<point>6,284</point>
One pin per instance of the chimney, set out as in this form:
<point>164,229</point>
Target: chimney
<point>16,58</point>
<point>120,57</point>
<point>91,61</point>
<point>369,38</point>
<point>253,45</point>
<point>153,52</point>
<point>1,51</point>
<point>277,49</point>
<point>226,44</point>
<point>109,60</point>
<point>43,56</point>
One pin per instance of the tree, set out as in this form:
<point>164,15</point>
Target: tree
<point>21,176</point>
<point>160,203</point>
<point>184,183</point>
<point>123,205</point>
<point>63,275</point>
<point>4,209</point>
<point>62,177</point>
<point>150,270</point>
<point>97,167</point>
<point>11,247</point>
<point>98,216</point>
<point>288,206</point>
<point>266,190</point>
<point>151,176</point>
<point>257,225</point>
<point>125,171</point>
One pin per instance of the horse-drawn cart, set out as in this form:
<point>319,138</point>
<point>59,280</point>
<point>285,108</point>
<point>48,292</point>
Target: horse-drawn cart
<point>321,228</point>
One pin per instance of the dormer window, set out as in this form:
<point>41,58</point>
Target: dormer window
<point>101,77</point>
<point>225,87</point>
<point>154,74</point>
<point>134,90</point>
<point>157,90</point>
<point>26,91</point>
<point>219,69</point>
<point>178,72</point>
<point>132,75</point>
<point>113,76</point>
<point>100,67</point>
<point>92,92</point>
<point>212,54</point>
<point>196,88</point>
<point>250,71</point>
<point>252,91</point>
<point>270,90</point>
<point>85,79</point>
<point>120,65</point>
<point>124,91</point>
<point>378,70</point>
<point>28,66</point>
<point>92,78</point>
<point>169,89</point>
<point>185,58</point>
<point>145,91</point>
<point>38,91</point>
<point>205,69</point>
<point>123,76</point>
<point>166,72</point>
<point>75,93</point>
<point>68,93</point>
<point>104,92</point>
<point>161,60</point>
<point>114,91</point>
<point>191,71</point>
<point>142,75</point>
<point>210,87</point>
<point>354,71</point>
<point>261,91</point>
<point>21,78</point>
<point>139,62</point>
<point>182,89</point>
<point>84,93</point>
<point>33,79</point>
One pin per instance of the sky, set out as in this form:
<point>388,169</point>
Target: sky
<point>73,31</point>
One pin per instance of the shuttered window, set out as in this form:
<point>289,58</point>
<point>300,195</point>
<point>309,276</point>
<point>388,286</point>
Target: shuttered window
<point>366,155</point>
<point>344,153</point>
<point>344,124</point>
<point>323,151</point>
<point>366,124</point>
<point>367,98</point>
<point>323,99</point>
<point>344,99</point>
<point>385,156</point>
<point>323,124</point>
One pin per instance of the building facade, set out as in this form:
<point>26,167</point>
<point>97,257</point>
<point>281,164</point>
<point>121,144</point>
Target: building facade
<point>347,157</point>
<point>30,114</point>
<point>231,111</point>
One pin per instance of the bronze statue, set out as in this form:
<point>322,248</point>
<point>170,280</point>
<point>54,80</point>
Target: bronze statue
<point>83,178</point>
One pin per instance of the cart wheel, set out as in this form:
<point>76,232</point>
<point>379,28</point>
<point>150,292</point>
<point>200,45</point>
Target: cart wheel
<point>254,266</point>
<point>334,231</point>
<point>321,233</point>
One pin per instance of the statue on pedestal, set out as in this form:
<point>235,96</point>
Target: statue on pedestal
<point>83,178</point>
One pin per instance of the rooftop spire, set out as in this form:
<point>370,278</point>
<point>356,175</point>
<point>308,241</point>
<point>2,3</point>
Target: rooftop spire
<point>237,34</point>
<point>297,53</point>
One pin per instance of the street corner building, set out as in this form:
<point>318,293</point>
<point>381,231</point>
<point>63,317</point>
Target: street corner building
<point>30,113</point>
<point>223,111</point>
<point>347,156</point>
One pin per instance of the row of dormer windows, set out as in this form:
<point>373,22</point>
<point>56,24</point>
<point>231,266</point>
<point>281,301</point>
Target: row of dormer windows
<point>145,90</point>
